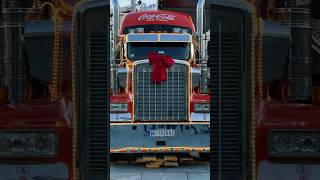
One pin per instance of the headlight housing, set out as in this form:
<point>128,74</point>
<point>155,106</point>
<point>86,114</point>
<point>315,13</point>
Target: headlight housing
<point>118,107</point>
<point>201,107</point>
<point>29,144</point>
<point>294,143</point>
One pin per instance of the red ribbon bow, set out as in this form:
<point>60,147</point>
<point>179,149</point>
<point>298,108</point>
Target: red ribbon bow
<point>159,63</point>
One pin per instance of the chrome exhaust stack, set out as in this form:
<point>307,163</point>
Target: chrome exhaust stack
<point>116,26</point>
<point>300,77</point>
<point>116,18</point>
<point>13,21</point>
<point>200,28</point>
<point>133,5</point>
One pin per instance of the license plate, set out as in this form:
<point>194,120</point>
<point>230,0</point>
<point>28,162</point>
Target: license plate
<point>161,132</point>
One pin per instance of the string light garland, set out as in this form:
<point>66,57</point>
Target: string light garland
<point>260,59</point>
<point>75,171</point>
<point>254,28</point>
<point>56,63</point>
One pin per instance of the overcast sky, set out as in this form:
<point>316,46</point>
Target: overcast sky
<point>124,2</point>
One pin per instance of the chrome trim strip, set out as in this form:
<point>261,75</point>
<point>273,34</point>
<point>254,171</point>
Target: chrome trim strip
<point>147,61</point>
<point>57,171</point>
<point>167,98</point>
<point>172,91</point>
<point>161,123</point>
<point>153,39</point>
<point>178,77</point>
<point>143,91</point>
<point>149,93</point>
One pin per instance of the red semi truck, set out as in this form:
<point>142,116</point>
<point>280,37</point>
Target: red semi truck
<point>35,121</point>
<point>262,89</point>
<point>38,130</point>
<point>263,97</point>
<point>159,116</point>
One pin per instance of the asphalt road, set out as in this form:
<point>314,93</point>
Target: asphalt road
<point>194,171</point>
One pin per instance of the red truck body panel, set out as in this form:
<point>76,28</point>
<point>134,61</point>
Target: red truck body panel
<point>160,17</point>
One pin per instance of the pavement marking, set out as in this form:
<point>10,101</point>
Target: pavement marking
<point>192,171</point>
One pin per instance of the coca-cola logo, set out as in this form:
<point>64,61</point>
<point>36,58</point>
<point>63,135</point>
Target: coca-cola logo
<point>157,17</point>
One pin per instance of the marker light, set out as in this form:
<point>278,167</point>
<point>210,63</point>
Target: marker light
<point>29,144</point>
<point>201,107</point>
<point>119,107</point>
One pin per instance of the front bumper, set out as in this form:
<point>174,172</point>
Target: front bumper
<point>126,117</point>
<point>135,137</point>
<point>290,171</point>
<point>58,171</point>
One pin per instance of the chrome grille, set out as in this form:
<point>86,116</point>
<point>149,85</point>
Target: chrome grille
<point>167,101</point>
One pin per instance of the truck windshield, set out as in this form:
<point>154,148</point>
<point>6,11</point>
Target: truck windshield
<point>176,50</point>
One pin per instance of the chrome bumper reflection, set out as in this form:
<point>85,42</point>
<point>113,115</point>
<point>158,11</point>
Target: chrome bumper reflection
<point>57,171</point>
<point>120,117</point>
<point>291,171</point>
<point>125,117</point>
<point>200,116</point>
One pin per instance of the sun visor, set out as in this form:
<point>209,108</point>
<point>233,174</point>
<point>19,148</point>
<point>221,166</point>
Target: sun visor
<point>276,43</point>
<point>38,46</point>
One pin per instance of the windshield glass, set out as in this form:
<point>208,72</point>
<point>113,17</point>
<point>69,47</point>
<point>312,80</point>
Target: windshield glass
<point>176,50</point>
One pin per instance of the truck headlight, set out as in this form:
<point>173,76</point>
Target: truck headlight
<point>29,144</point>
<point>297,143</point>
<point>119,107</point>
<point>201,107</point>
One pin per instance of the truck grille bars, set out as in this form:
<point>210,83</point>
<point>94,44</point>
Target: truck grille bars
<point>92,89</point>
<point>167,101</point>
<point>226,116</point>
<point>98,101</point>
